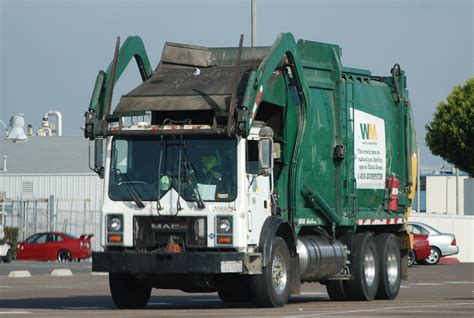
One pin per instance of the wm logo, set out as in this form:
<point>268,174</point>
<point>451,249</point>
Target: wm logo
<point>369,131</point>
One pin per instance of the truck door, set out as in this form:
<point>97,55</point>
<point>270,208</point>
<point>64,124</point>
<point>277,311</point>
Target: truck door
<point>259,189</point>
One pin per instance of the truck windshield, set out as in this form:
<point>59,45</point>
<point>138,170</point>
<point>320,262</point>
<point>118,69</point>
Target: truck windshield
<point>203,169</point>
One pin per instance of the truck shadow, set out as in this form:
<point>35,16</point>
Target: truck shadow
<point>103,302</point>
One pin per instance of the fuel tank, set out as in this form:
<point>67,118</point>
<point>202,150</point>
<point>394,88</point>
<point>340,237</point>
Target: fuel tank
<point>320,257</point>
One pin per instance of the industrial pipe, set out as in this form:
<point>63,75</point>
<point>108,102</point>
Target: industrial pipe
<point>59,120</point>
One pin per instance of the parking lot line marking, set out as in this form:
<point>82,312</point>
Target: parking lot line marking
<point>378,309</point>
<point>403,286</point>
<point>459,282</point>
<point>426,284</point>
<point>84,307</point>
<point>15,312</point>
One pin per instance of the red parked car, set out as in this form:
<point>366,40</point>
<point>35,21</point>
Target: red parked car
<point>54,246</point>
<point>421,249</point>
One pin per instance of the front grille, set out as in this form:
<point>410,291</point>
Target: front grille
<point>155,232</point>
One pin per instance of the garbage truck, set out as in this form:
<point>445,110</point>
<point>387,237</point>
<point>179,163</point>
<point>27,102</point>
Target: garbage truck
<point>248,171</point>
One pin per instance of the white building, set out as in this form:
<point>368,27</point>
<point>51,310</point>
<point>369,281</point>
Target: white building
<point>48,185</point>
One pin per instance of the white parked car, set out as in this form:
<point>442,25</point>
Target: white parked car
<point>442,244</point>
<point>6,252</point>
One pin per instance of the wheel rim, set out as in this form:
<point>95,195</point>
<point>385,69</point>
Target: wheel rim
<point>434,256</point>
<point>392,267</point>
<point>369,267</point>
<point>411,257</point>
<point>64,256</point>
<point>279,275</point>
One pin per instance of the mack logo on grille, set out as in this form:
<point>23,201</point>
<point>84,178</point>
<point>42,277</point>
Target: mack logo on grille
<point>168,226</point>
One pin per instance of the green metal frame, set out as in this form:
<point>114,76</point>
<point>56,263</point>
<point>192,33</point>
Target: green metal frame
<point>133,47</point>
<point>284,45</point>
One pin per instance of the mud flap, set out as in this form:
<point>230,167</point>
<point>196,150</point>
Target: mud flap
<point>404,243</point>
<point>295,275</point>
<point>404,260</point>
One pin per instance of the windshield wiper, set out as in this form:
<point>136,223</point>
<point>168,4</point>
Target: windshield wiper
<point>123,179</point>
<point>192,181</point>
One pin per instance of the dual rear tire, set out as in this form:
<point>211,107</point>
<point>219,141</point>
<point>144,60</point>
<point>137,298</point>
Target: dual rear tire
<point>376,271</point>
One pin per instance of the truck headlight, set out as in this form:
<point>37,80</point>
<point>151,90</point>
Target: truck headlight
<point>114,223</point>
<point>224,225</point>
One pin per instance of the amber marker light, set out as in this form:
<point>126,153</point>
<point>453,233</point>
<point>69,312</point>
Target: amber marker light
<point>114,238</point>
<point>224,240</point>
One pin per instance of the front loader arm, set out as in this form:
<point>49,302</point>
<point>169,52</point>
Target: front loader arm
<point>133,47</point>
<point>284,45</point>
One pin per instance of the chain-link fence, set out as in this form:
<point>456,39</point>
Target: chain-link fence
<point>72,216</point>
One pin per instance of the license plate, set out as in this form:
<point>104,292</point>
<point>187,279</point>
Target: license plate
<point>231,267</point>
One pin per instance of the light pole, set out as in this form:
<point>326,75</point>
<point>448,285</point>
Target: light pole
<point>418,179</point>
<point>253,22</point>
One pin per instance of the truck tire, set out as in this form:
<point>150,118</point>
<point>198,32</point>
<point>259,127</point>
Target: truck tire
<point>271,288</point>
<point>390,266</point>
<point>364,259</point>
<point>335,290</point>
<point>128,292</point>
<point>234,296</point>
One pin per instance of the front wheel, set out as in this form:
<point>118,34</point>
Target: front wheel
<point>364,258</point>
<point>128,292</point>
<point>234,296</point>
<point>434,257</point>
<point>271,288</point>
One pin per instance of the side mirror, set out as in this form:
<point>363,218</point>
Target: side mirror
<point>265,156</point>
<point>98,157</point>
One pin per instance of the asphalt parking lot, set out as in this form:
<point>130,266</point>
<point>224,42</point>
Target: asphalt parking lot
<point>442,290</point>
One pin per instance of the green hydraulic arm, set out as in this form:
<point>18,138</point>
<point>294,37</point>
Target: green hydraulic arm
<point>99,106</point>
<point>284,45</point>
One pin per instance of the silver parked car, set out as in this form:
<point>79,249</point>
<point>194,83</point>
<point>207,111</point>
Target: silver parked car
<point>442,244</point>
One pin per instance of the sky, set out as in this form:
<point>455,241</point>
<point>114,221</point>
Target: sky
<point>52,50</point>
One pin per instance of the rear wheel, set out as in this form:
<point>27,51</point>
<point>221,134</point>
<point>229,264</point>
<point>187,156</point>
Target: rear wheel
<point>389,266</point>
<point>271,288</point>
<point>128,292</point>
<point>8,257</point>
<point>411,257</point>
<point>64,256</point>
<point>434,257</point>
<point>364,258</point>
<point>335,290</point>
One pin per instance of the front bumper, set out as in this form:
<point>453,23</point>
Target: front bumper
<point>177,263</point>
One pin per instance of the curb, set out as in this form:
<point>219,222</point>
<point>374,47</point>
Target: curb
<point>449,260</point>
<point>61,272</point>
<point>19,274</point>
<point>100,273</point>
